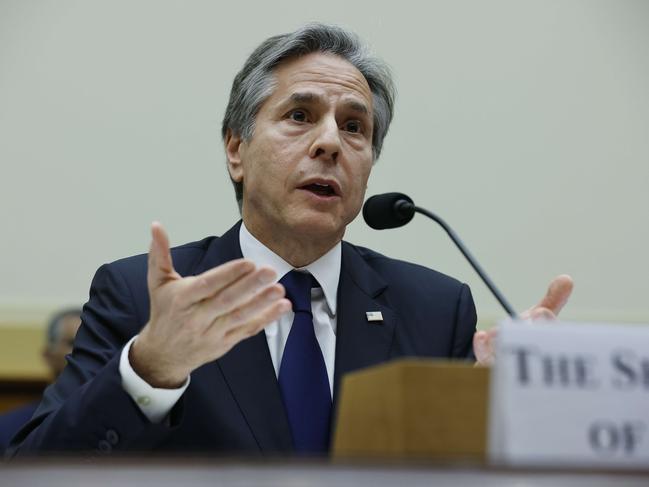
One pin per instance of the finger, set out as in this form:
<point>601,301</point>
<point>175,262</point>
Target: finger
<point>558,294</point>
<point>236,294</point>
<point>248,312</point>
<point>212,282</point>
<point>540,313</point>
<point>261,320</point>
<point>160,269</point>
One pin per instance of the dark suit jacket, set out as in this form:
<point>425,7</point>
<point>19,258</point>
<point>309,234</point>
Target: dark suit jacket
<point>233,405</point>
<point>12,421</point>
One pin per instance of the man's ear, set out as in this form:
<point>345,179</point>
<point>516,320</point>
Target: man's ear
<point>233,153</point>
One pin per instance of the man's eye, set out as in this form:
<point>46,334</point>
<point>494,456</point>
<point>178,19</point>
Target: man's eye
<point>353,126</point>
<point>298,115</point>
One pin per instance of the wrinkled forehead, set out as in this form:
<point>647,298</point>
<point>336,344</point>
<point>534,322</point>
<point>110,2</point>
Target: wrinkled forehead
<point>321,70</point>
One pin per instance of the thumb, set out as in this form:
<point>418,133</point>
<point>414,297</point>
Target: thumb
<point>161,267</point>
<point>558,293</point>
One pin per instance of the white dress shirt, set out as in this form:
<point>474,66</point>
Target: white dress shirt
<point>157,403</point>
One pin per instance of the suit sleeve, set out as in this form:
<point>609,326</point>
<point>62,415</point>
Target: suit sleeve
<point>86,409</point>
<point>465,325</point>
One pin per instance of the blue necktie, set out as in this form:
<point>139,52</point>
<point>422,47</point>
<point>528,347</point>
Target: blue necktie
<point>303,379</point>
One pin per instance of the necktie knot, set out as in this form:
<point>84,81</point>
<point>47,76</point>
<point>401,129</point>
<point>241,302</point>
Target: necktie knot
<point>298,289</point>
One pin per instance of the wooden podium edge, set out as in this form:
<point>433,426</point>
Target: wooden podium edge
<point>413,409</point>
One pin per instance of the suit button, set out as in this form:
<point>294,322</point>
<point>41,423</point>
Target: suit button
<point>112,437</point>
<point>104,447</point>
<point>144,400</point>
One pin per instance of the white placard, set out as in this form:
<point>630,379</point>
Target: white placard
<point>568,394</point>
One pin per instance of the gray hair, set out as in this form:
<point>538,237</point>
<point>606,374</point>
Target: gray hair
<point>256,82</point>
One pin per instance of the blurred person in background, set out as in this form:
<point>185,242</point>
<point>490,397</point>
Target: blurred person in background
<point>61,330</point>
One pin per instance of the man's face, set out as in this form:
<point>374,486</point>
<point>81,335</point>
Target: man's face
<point>55,353</point>
<point>305,169</point>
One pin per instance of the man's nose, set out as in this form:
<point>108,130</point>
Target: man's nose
<point>326,142</point>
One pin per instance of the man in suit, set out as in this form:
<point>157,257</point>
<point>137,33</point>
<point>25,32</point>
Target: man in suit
<point>200,347</point>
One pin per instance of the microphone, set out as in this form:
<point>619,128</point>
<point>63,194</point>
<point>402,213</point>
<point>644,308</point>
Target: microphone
<point>393,210</point>
<point>388,210</point>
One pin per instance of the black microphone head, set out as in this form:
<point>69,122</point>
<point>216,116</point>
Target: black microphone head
<point>388,210</point>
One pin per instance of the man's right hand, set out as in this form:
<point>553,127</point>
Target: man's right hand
<point>197,319</point>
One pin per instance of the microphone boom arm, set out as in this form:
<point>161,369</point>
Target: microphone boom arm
<point>403,206</point>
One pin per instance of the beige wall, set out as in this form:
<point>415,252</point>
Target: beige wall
<point>524,123</point>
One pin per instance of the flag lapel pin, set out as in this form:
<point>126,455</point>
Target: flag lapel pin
<point>374,316</point>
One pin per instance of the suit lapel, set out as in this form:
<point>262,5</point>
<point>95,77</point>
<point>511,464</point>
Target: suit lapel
<point>248,369</point>
<point>249,372</point>
<point>359,342</point>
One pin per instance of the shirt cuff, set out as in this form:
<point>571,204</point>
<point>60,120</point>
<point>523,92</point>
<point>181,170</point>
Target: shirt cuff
<point>154,403</point>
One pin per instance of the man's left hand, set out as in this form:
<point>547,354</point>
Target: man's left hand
<point>547,309</point>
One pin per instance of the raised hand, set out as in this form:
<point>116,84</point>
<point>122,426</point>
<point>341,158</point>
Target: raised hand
<point>553,302</point>
<point>548,308</point>
<point>197,319</point>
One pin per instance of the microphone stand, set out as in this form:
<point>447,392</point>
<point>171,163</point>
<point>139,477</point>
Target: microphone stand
<point>404,207</point>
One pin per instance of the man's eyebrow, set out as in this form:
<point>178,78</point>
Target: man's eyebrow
<point>310,97</point>
<point>305,97</point>
<point>358,107</point>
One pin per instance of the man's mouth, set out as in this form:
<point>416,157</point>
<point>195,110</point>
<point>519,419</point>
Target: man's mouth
<point>320,189</point>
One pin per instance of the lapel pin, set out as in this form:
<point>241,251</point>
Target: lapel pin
<point>374,316</point>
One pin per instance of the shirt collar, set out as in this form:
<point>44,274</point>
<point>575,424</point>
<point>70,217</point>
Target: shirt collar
<point>326,269</point>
